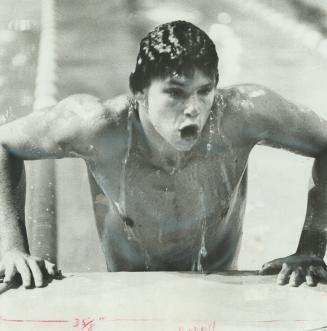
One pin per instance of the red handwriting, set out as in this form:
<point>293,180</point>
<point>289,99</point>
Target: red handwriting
<point>86,324</point>
<point>210,327</point>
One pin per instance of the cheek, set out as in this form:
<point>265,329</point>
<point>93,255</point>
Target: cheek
<point>156,103</point>
<point>162,109</point>
<point>207,103</point>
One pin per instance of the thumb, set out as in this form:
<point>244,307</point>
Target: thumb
<point>271,268</point>
<point>5,287</point>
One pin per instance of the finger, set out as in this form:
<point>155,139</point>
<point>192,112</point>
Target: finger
<point>36,272</point>
<point>284,275</point>
<point>270,268</point>
<point>25,273</point>
<point>323,264</point>
<point>310,277</point>
<point>5,287</point>
<point>9,273</point>
<point>297,277</point>
<point>51,268</point>
<point>321,273</point>
<point>2,270</point>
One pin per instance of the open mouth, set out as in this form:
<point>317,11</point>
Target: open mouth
<point>190,131</point>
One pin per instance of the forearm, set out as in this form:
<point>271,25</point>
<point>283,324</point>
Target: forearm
<point>12,227</point>
<point>313,237</point>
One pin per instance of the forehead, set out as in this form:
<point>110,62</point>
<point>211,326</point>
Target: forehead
<point>195,78</point>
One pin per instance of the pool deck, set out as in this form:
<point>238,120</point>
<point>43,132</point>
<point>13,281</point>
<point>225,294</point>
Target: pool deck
<point>165,301</point>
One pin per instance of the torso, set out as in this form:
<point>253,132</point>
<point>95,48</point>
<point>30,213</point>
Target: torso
<point>188,219</point>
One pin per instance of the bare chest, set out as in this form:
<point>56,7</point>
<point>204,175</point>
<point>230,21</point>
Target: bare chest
<point>201,189</point>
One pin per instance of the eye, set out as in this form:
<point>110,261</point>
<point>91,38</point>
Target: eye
<point>175,92</point>
<point>205,91</point>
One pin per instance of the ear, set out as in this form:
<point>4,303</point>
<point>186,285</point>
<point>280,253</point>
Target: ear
<point>139,96</point>
<point>142,98</point>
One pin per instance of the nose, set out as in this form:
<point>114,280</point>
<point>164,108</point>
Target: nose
<point>192,109</point>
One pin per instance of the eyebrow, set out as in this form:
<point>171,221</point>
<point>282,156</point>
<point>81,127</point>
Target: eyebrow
<point>183,84</point>
<point>177,82</point>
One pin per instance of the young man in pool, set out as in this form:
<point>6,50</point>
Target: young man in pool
<point>168,165</point>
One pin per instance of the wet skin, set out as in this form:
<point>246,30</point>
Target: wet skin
<point>167,203</point>
<point>157,218</point>
<point>182,215</point>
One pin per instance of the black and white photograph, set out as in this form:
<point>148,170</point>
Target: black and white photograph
<point>163,165</point>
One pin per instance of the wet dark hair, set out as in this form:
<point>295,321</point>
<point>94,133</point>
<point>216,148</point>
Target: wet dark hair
<point>173,48</point>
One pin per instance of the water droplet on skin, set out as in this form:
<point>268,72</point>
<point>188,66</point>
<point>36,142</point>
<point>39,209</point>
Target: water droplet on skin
<point>202,250</point>
<point>132,233</point>
<point>247,104</point>
<point>122,200</point>
<point>211,132</point>
<point>257,93</point>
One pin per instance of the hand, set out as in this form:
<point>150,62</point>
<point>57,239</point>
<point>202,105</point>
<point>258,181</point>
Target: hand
<point>296,269</point>
<point>33,270</point>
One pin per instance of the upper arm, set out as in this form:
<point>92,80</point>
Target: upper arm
<point>274,121</point>
<point>65,130</point>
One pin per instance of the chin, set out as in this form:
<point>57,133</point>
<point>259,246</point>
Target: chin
<point>184,146</point>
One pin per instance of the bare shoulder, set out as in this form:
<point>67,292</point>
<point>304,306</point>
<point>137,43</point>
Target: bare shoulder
<point>83,117</point>
<point>71,128</point>
<point>235,108</point>
<point>259,115</point>
<point>244,98</point>
<point>251,107</point>
<point>89,113</point>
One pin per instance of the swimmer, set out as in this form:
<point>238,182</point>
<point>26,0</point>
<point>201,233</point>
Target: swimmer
<point>168,165</point>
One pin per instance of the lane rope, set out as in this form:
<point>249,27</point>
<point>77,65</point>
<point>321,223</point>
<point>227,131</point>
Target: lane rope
<point>303,33</point>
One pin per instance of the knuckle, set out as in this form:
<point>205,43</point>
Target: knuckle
<point>311,268</point>
<point>35,258</point>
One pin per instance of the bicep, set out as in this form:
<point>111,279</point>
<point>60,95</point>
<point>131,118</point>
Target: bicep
<point>31,137</point>
<point>55,132</point>
<point>277,122</point>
